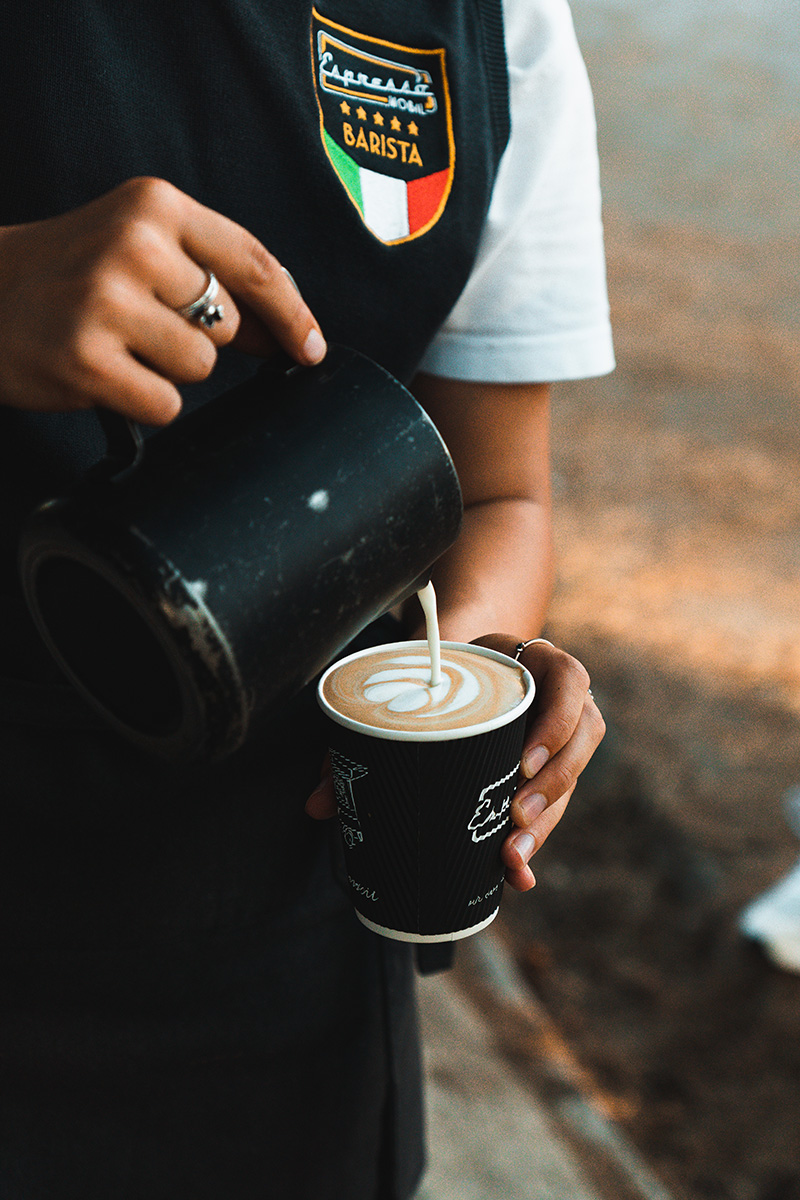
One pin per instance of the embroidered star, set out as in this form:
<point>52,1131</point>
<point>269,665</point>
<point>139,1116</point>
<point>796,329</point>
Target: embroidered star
<point>396,124</point>
<point>362,116</point>
<point>413,128</point>
<point>378,119</point>
<point>345,107</point>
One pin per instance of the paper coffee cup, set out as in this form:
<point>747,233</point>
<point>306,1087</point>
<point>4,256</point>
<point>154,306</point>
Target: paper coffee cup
<point>424,812</point>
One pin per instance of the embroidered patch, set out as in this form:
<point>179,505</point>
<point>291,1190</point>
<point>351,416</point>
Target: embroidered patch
<point>386,126</point>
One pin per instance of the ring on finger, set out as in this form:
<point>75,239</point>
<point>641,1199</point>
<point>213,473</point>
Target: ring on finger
<point>204,310</point>
<point>531,642</point>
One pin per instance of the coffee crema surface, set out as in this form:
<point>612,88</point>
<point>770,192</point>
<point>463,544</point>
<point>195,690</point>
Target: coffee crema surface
<point>390,689</point>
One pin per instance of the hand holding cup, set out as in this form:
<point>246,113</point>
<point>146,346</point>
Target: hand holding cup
<point>564,728</point>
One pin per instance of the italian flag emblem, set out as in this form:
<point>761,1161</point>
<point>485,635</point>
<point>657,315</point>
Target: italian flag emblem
<point>386,127</point>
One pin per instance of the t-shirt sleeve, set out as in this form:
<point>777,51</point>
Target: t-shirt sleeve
<point>535,308</point>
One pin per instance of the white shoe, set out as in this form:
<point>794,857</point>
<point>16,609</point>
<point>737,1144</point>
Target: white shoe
<point>773,920</point>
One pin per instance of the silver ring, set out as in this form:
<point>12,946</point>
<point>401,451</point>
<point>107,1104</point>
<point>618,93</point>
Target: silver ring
<point>203,309</point>
<point>532,641</point>
<point>292,280</point>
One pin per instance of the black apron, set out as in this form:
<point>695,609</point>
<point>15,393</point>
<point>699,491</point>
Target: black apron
<point>188,1008</point>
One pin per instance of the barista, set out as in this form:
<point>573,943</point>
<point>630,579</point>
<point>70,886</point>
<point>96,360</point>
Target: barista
<point>190,1008</point>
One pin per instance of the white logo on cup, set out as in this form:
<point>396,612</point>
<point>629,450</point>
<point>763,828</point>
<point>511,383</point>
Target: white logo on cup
<point>490,815</point>
<point>344,772</point>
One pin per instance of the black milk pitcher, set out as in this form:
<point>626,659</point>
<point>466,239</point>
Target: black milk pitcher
<point>202,577</point>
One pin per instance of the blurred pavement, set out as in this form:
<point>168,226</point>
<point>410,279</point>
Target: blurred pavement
<point>511,1116</point>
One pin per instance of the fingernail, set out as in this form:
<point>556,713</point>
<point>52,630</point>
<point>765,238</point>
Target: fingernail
<point>533,761</point>
<point>531,807</point>
<point>525,844</point>
<point>314,347</point>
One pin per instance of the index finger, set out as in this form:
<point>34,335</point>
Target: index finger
<point>253,275</point>
<point>562,684</point>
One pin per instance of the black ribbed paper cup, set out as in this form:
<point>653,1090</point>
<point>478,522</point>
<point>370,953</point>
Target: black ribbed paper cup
<point>423,814</point>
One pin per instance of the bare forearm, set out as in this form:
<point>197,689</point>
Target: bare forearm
<point>498,576</point>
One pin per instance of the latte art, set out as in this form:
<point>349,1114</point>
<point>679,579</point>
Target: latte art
<point>390,689</point>
<point>404,688</point>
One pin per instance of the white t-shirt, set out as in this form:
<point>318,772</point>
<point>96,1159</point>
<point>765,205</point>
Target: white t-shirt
<point>535,308</point>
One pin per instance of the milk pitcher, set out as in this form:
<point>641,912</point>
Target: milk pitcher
<point>202,576</point>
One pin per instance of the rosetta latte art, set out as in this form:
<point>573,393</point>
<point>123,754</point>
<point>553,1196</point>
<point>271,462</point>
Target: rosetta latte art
<point>404,688</point>
<point>392,690</point>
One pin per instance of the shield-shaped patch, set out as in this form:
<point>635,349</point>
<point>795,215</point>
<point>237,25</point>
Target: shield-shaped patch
<point>386,126</point>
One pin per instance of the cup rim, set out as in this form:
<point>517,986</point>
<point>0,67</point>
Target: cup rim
<point>429,735</point>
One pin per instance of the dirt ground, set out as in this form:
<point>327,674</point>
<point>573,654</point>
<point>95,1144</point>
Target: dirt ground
<point>678,527</point>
